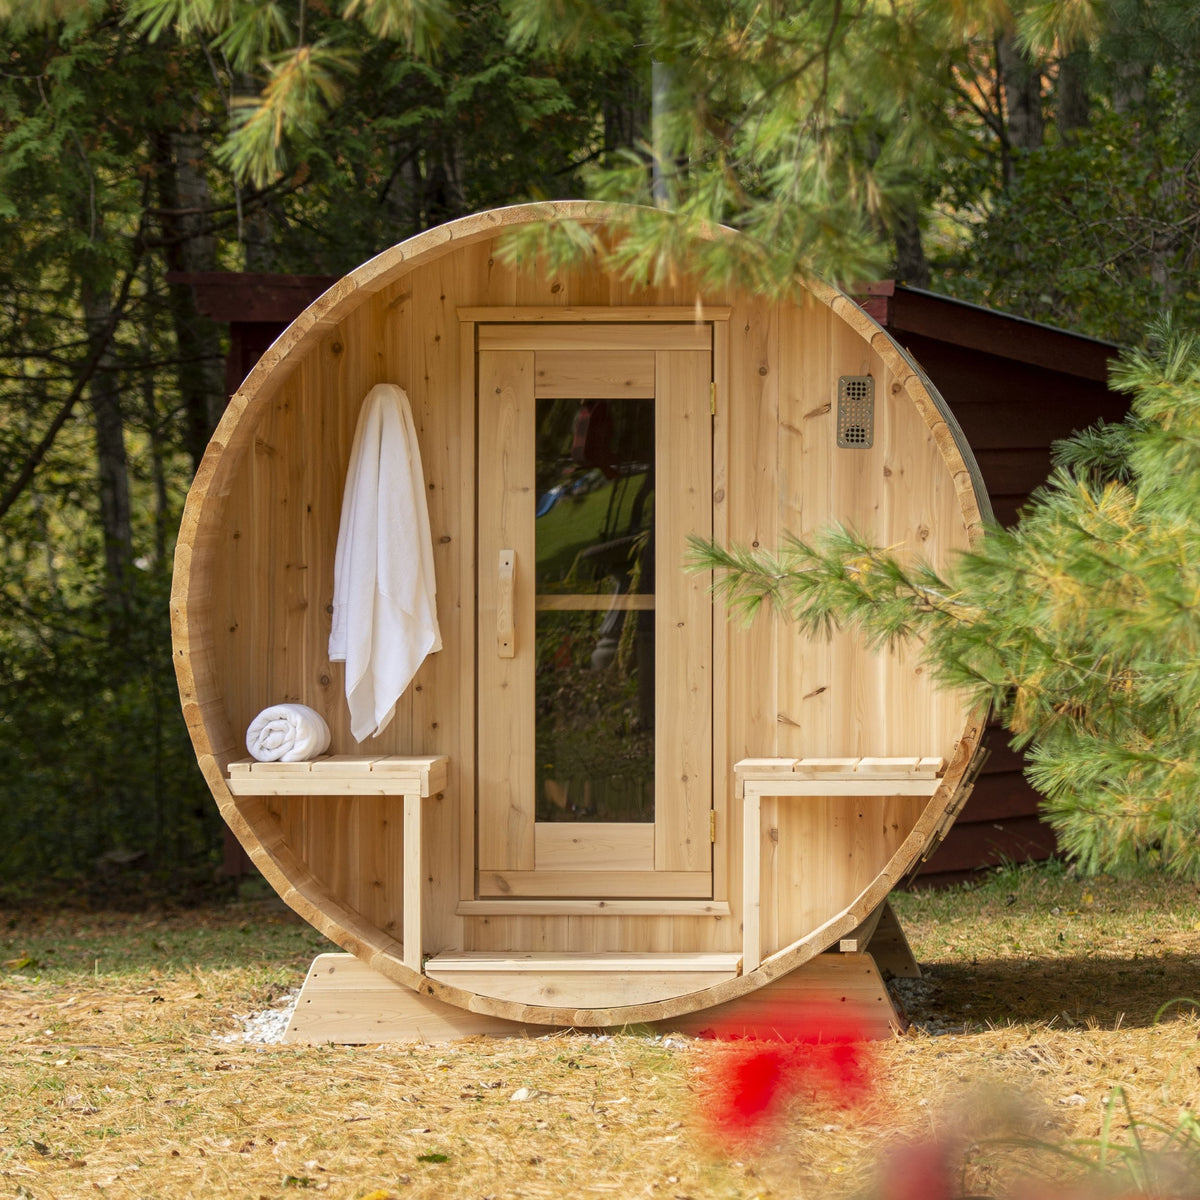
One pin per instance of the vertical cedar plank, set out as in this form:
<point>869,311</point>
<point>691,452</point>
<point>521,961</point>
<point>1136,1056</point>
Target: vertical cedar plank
<point>857,722</point>
<point>505,738</point>
<point>716,934</point>
<point>414,874</point>
<point>487,281</point>
<point>752,518</point>
<point>683,617</point>
<point>809,688</point>
<point>423,331</point>
<point>328,450</point>
<point>751,926</point>
<point>746,699</point>
<point>806,435</point>
<point>390,883</point>
<point>823,686</point>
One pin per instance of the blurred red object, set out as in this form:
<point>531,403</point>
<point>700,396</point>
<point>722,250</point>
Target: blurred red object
<point>816,1051</point>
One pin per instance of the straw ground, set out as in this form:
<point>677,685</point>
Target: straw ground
<point>1041,995</point>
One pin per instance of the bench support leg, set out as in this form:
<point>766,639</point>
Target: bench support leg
<point>412,881</point>
<point>751,882</point>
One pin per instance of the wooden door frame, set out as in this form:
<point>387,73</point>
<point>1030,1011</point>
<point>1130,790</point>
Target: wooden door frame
<point>717,318</point>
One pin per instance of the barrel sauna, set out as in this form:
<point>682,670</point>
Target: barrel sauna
<point>600,801</point>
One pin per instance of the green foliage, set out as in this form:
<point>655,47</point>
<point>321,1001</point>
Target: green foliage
<point>423,25</point>
<point>299,87</point>
<point>290,65</point>
<point>97,776</point>
<point>579,28</point>
<point>96,763</point>
<point>1081,625</point>
<point>317,134</point>
<point>1138,1155</point>
<point>1112,184</point>
<point>801,127</point>
<point>1124,236</point>
<point>105,108</point>
<point>818,131</point>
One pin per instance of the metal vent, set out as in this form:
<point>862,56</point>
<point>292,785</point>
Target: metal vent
<point>856,412</point>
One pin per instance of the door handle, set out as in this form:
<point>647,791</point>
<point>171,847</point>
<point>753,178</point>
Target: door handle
<point>505,597</point>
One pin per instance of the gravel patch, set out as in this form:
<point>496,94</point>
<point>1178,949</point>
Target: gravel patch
<point>918,1000</point>
<point>266,1027</point>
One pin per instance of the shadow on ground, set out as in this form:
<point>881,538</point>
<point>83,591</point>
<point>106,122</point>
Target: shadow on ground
<point>1095,992</point>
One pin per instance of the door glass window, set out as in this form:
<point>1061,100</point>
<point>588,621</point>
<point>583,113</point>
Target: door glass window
<point>594,550</point>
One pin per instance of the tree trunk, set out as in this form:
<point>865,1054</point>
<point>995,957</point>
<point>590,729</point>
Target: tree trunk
<point>912,267</point>
<point>401,195</point>
<point>443,196</point>
<point>626,112</point>
<point>258,233</point>
<point>189,246</point>
<point>1072,94</point>
<point>112,466</point>
<point>1024,121</point>
<point>1130,79</point>
<point>156,428</point>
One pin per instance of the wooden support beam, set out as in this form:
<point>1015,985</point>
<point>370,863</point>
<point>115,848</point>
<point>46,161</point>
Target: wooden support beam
<point>889,947</point>
<point>346,1002</point>
<point>751,885</point>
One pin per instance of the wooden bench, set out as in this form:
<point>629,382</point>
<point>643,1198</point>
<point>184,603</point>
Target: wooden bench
<point>341,775</point>
<point>415,777</point>
<point>759,777</point>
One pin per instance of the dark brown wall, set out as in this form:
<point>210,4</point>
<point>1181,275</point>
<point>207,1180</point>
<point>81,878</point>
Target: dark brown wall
<point>1011,412</point>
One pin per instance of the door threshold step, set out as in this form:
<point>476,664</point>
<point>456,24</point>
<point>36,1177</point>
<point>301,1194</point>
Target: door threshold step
<point>582,979</point>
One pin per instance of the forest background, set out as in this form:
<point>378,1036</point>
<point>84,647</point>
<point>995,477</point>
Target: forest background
<point>1043,159</point>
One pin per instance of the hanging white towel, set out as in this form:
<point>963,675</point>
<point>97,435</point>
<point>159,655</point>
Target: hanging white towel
<point>384,599</point>
<point>287,733</point>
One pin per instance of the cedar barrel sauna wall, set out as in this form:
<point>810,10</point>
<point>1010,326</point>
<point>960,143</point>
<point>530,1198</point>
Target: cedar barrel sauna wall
<point>1013,385</point>
<point>255,571</point>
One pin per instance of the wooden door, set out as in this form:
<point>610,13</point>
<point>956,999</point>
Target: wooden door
<point>594,645</point>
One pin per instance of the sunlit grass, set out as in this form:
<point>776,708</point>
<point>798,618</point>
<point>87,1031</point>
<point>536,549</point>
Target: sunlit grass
<point>115,1080</point>
<point>66,945</point>
<point>1046,911</point>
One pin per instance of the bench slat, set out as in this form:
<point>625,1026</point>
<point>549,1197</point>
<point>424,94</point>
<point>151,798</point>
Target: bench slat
<point>342,775</point>
<point>876,768</point>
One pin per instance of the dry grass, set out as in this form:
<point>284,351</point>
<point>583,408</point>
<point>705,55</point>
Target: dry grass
<point>127,1092</point>
<point>112,1080</point>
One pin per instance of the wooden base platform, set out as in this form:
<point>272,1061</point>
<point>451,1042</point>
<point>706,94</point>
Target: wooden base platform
<point>345,1002</point>
<point>579,980</point>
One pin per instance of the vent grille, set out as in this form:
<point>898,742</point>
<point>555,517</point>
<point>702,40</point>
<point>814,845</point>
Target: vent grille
<point>856,412</point>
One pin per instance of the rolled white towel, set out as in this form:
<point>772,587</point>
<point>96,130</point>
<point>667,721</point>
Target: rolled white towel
<point>287,733</point>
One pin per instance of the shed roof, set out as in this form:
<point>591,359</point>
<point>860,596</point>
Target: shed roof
<point>901,309</point>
